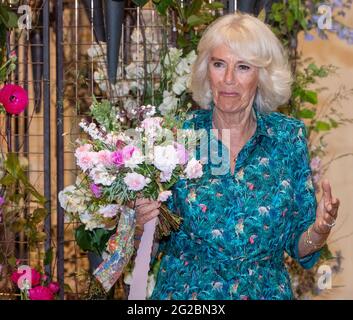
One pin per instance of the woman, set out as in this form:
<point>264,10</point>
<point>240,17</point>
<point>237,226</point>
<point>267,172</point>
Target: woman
<point>238,222</point>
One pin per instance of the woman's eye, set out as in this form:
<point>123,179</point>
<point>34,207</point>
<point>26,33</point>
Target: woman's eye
<point>243,67</point>
<point>218,64</point>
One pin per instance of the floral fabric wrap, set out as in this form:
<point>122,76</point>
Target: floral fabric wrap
<point>121,248</point>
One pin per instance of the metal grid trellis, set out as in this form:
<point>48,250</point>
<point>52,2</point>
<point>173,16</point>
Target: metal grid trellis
<point>45,136</point>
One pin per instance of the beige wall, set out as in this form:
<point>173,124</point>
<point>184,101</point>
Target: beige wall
<point>340,141</point>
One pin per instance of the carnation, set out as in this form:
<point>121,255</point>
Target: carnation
<point>165,158</point>
<point>193,169</point>
<point>100,175</point>
<point>136,181</point>
<point>109,211</point>
<point>164,195</point>
<point>41,293</point>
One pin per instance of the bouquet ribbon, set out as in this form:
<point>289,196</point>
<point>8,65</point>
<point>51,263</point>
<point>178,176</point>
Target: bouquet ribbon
<point>138,287</point>
<point>121,249</point>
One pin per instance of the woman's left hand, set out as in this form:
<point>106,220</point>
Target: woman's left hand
<point>326,213</point>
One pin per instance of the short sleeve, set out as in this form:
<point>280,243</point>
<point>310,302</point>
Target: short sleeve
<point>305,203</point>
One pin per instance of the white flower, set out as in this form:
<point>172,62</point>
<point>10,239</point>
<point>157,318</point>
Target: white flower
<point>170,103</point>
<point>164,195</point>
<point>109,211</point>
<point>165,158</point>
<point>180,84</point>
<point>73,200</point>
<point>100,175</point>
<point>191,57</point>
<point>216,233</point>
<point>97,50</point>
<point>134,71</point>
<point>165,176</point>
<point>182,67</point>
<point>136,181</point>
<point>193,169</point>
<point>172,56</point>
<point>264,161</point>
<point>121,88</point>
<point>89,221</point>
<point>136,159</point>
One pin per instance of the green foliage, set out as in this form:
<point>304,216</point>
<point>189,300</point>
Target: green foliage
<point>105,114</point>
<point>92,240</point>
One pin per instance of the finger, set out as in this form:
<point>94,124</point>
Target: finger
<point>142,201</point>
<point>326,187</point>
<point>328,218</point>
<point>148,207</point>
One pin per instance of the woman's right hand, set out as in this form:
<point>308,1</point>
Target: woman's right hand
<point>146,210</point>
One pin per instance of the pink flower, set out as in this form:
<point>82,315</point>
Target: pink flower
<point>14,98</point>
<point>136,181</point>
<point>164,195</point>
<point>182,154</point>
<point>165,176</point>
<point>2,201</point>
<point>34,278</point>
<point>193,169</point>
<point>84,148</point>
<point>151,123</point>
<point>86,160</point>
<point>118,158</point>
<point>96,190</point>
<point>128,152</point>
<point>203,207</point>
<point>54,287</point>
<point>41,293</point>
<point>105,158</point>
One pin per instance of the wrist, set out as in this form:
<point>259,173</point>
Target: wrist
<point>317,230</point>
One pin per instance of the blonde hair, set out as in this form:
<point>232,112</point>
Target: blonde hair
<point>254,42</point>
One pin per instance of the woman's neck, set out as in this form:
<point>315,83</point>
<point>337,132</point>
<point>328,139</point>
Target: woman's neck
<point>241,125</point>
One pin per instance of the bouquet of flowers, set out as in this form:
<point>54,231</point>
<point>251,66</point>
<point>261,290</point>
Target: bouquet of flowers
<point>118,165</point>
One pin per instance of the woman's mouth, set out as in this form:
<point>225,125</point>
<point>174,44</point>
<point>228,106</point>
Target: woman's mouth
<point>229,93</point>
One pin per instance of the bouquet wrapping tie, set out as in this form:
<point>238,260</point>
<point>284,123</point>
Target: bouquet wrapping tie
<point>121,249</point>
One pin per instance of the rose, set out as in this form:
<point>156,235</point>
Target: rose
<point>54,287</point>
<point>35,277</point>
<point>136,181</point>
<point>14,98</point>
<point>193,169</point>
<point>41,293</point>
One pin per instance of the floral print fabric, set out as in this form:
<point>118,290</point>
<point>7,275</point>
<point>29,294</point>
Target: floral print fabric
<point>236,228</point>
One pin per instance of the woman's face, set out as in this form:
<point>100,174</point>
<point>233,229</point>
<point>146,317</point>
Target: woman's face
<point>233,82</point>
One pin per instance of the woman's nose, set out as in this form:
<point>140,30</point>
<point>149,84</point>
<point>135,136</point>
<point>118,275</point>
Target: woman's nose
<point>229,77</point>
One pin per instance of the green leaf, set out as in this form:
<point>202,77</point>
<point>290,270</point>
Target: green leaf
<point>12,261</point>
<point>215,5</point>
<point>322,126</point>
<point>48,258</point>
<point>8,180</point>
<point>195,20</point>
<point>306,114</point>
<point>290,21</point>
<point>83,238</point>
<point>8,17</point>
<point>38,215</point>
<point>140,3</point>
<point>334,123</point>
<point>309,96</point>
<point>162,6</point>
<point>194,7</point>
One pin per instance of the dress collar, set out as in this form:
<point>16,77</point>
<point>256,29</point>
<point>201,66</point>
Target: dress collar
<point>261,127</point>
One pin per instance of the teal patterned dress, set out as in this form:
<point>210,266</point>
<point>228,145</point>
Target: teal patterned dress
<point>236,228</point>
